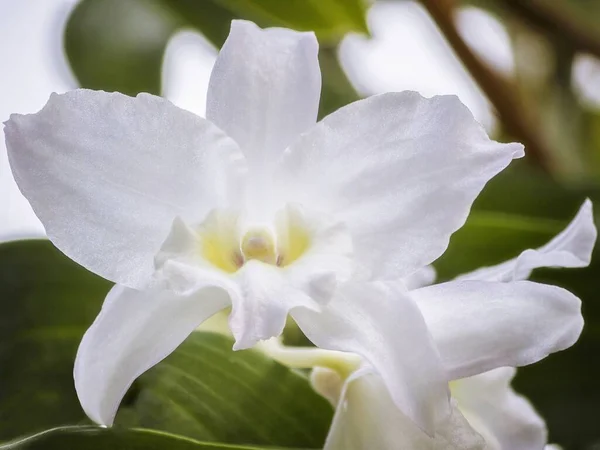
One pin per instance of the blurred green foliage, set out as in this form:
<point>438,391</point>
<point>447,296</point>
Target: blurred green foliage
<point>48,301</point>
<point>546,38</point>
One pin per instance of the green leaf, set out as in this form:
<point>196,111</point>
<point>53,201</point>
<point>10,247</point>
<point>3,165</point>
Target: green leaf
<point>206,391</point>
<point>117,45</point>
<point>517,210</point>
<point>92,438</point>
<point>492,237</point>
<point>526,192</point>
<point>47,302</point>
<point>207,16</point>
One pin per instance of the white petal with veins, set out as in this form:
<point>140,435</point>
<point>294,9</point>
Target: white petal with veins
<point>481,325</point>
<point>401,171</point>
<point>264,89</point>
<point>107,174</point>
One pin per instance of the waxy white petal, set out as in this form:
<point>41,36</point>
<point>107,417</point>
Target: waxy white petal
<point>421,278</point>
<point>482,325</point>
<point>107,174</point>
<point>134,331</point>
<point>506,416</point>
<point>400,170</point>
<point>571,248</point>
<point>379,322</point>
<point>264,89</point>
<point>367,418</point>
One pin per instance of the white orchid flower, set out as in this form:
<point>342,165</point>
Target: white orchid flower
<point>260,208</point>
<point>545,320</point>
<point>506,419</point>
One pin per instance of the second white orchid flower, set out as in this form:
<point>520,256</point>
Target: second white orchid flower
<point>486,412</point>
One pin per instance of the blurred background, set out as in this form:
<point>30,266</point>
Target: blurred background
<point>529,70</point>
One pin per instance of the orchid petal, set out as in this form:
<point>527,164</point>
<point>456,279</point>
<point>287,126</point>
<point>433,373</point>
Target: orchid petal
<point>264,89</point>
<point>134,331</point>
<point>482,325</point>
<point>421,278</point>
<point>379,322</point>
<point>107,174</point>
<point>366,417</point>
<point>261,295</point>
<point>260,309</point>
<point>400,170</point>
<point>505,415</point>
<point>571,248</point>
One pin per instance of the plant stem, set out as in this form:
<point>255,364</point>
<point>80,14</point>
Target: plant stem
<point>501,92</point>
<point>309,357</point>
<point>550,18</point>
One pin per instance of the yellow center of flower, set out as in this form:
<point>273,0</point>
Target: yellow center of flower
<point>228,248</point>
<point>259,244</point>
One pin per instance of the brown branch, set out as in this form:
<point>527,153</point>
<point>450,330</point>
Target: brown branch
<point>556,23</point>
<point>510,107</point>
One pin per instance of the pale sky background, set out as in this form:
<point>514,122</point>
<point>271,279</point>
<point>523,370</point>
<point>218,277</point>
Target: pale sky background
<point>406,52</point>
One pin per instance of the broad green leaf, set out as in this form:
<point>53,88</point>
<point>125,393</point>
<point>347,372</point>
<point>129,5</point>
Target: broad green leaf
<point>204,390</point>
<point>47,302</point>
<point>92,438</point>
